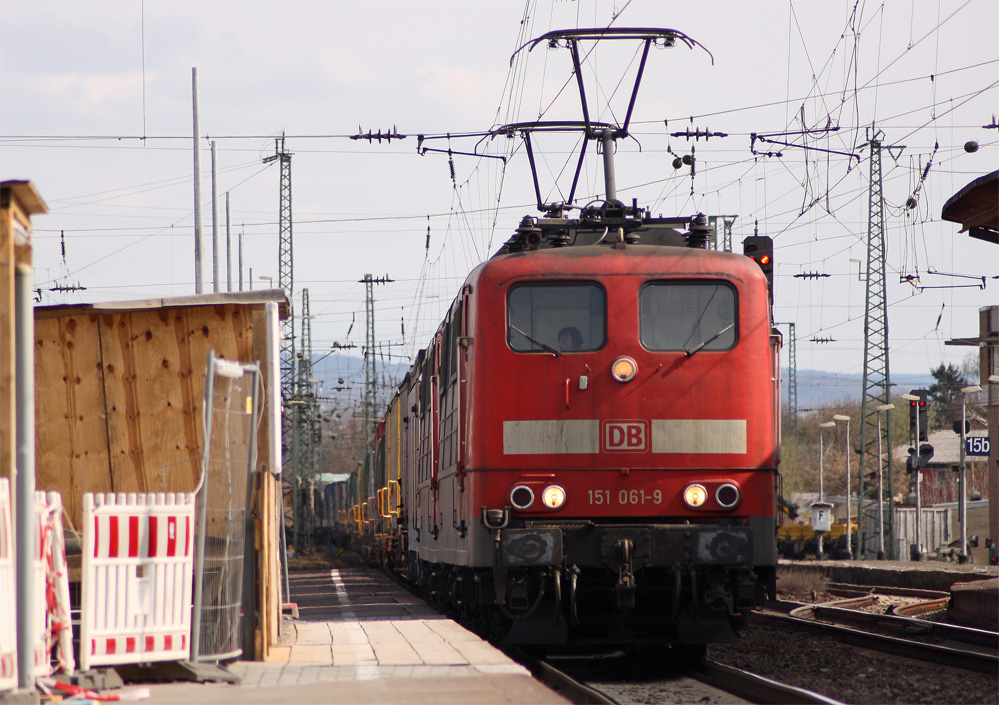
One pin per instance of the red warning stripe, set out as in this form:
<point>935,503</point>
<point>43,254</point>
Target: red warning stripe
<point>137,644</point>
<point>171,536</point>
<point>133,537</point>
<point>153,535</point>
<point>113,536</point>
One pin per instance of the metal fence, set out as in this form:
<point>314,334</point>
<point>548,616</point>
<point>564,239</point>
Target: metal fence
<point>224,521</point>
<point>934,529</point>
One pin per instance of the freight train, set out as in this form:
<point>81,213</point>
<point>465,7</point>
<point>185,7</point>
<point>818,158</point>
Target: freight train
<point>587,450</point>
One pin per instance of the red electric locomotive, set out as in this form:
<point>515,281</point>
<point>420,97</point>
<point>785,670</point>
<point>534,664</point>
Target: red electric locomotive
<point>587,450</point>
<point>591,442</point>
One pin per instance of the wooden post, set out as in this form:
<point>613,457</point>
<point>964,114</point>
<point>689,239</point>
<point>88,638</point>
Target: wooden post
<point>18,202</point>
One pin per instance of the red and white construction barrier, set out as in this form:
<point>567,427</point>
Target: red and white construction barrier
<point>8,597</point>
<point>52,608</point>
<point>138,560</point>
<point>53,628</point>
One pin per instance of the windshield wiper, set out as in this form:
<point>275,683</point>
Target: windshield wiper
<point>709,340</point>
<point>543,346</point>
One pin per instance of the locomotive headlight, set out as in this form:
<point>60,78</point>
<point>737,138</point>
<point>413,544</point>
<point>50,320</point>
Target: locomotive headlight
<point>624,369</point>
<point>522,497</point>
<point>727,495</point>
<point>695,496</point>
<point>553,497</point>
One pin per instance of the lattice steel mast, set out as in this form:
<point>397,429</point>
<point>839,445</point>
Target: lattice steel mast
<point>370,369</point>
<point>792,376</point>
<point>286,281</point>
<point>286,271</point>
<point>877,381</point>
<point>302,445</point>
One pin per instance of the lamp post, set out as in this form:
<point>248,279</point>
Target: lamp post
<point>822,497</point>
<point>917,555</point>
<point>849,545</point>
<point>881,494</point>
<point>962,499</point>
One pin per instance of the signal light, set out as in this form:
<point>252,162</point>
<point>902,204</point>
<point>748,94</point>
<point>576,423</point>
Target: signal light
<point>760,249</point>
<point>918,407</point>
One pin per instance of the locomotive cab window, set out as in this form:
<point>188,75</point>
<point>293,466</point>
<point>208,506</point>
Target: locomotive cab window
<point>556,317</point>
<point>688,316</point>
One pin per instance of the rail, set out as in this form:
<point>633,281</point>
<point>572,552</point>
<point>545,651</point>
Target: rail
<point>755,688</point>
<point>909,647</point>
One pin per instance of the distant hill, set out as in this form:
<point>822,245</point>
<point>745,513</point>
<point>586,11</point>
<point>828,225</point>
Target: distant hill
<point>818,389</point>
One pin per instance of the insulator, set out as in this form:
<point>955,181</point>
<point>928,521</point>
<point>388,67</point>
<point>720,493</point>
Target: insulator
<point>699,232</point>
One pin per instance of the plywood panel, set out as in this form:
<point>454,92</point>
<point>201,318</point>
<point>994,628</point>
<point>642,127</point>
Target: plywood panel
<point>164,419</point>
<point>125,443</point>
<point>71,443</point>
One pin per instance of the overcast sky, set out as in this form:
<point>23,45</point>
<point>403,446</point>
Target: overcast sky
<point>96,110</point>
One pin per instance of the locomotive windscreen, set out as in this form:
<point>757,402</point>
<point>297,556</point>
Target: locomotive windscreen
<point>688,316</point>
<point>538,315</point>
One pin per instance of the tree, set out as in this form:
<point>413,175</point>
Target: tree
<point>945,393</point>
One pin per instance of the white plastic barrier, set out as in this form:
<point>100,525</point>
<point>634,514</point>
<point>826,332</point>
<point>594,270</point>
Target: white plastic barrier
<point>138,562</point>
<point>8,598</point>
<point>52,608</point>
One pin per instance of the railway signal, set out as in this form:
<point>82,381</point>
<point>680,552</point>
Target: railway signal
<point>917,415</point>
<point>760,249</point>
<point>920,460</point>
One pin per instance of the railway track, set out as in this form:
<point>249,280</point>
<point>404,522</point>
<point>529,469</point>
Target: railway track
<point>852,621</point>
<point>708,682</point>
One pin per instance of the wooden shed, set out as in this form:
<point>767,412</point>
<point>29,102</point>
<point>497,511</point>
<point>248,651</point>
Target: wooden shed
<point>120,407</point>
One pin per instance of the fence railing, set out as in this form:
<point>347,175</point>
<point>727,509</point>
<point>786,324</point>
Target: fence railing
<point>224,523</point>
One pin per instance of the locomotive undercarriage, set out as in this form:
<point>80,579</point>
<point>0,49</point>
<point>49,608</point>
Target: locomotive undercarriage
<point>606,584</point>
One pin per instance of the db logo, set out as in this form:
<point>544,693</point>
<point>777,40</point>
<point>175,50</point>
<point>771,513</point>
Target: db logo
<point>625,436</point>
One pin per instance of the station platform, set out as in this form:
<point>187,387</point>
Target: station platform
<point>360,638</point>
<point>923,575</point>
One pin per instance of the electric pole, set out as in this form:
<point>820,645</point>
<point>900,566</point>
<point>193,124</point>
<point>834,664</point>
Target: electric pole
<point>370,369</point>
<point>286,281</point>
<point>877,381</point>
<point>303,468</point>
<point>792,376</point>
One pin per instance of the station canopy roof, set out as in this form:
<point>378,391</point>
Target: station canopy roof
<point>976,208</point>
